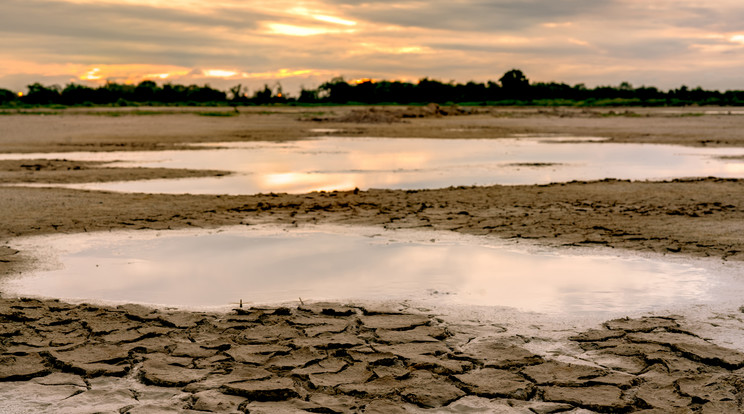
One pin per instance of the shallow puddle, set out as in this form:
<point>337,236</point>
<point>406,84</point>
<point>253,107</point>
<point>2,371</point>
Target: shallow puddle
<point>215,269</point>
<point>338,163</point>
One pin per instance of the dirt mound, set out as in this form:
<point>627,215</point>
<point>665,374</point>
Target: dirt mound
<point>370,116</point>
<point>433,110</point>
<point>384,115</point>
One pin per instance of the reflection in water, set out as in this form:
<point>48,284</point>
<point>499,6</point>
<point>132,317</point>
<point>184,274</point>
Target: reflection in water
<point>336,163</point>
<point>261,266</point>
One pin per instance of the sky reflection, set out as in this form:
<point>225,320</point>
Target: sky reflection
<point>334,263</point>
<point>338,163</point>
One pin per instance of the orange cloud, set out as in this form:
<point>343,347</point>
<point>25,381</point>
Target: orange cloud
<point>366,47</point>
<point>219,73</point>
<point>131,73</point>
<point>295,30</point>
<point>336,20</point>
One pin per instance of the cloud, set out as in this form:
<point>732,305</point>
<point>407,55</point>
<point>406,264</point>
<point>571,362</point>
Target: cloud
<point>596,42</point>
<point>92,24</point>
<point>471,15</point>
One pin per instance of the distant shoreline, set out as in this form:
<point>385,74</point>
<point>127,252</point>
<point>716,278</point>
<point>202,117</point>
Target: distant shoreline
<point>512,89</point>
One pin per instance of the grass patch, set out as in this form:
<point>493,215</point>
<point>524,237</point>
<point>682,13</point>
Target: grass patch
<point>22,112</point>
<point>688,114</point>
<point>130,113</point>
<point>218,113</point>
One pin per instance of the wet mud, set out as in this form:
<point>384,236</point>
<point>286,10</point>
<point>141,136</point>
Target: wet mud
<point>697,217</point>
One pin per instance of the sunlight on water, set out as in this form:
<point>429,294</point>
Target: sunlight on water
<point>337,163</point>
<point>272,265</point>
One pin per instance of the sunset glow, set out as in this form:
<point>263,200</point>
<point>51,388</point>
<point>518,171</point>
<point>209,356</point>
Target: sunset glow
<point>158,76</point>
<point>336,20</point>
<point>737,39</point>
<point>363,80</point>
<point>655,42</point>
<point>292,30</point>
<point>366,48</point>
<point>93,75</point>
<point>217,73</point>
<point>99,75</point>
<point>282,74</point>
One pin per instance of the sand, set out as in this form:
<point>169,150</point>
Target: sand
<point>353,358</point>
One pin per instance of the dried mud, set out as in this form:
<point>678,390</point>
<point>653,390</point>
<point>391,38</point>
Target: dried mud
<point>56,357</point>
<point>333,358</point>
<point>66,172</point>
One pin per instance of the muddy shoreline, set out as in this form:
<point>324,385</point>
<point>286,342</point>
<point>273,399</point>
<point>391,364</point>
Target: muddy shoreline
<point>117,129</point>
<point>351,358</point>
<point>696,217</point>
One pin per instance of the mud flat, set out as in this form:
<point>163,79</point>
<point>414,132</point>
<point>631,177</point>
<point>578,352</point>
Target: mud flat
<point>320,357</point>
<point>362,358</point>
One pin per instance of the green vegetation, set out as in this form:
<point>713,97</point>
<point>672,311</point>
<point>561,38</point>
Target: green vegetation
<point>512,89</point>
<point>217,113</point>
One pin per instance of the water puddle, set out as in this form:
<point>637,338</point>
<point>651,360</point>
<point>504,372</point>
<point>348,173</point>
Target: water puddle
<point>269,265</point>
<point>339,163</point>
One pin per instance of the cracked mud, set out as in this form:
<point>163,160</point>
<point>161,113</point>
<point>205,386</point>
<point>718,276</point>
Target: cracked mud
<point>326,357</point>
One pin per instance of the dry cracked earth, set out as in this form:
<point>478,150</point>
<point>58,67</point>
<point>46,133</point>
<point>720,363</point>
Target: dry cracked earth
<point>330,358</point>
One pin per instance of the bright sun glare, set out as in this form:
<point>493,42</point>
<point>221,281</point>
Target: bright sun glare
<point>218,73</point>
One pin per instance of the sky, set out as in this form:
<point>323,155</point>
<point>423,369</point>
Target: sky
<point>302,43</point>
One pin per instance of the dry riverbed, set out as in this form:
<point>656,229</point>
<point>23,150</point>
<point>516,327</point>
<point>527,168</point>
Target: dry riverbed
<point>363,358</point>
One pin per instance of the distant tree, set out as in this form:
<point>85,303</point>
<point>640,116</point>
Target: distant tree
<point>117,92</point>
<point>551,90</point>
<point>515,85</point>
<point>514,79</point>
<point>365,92</point>
<point>308,95</point>
<point>512,86</point>
<point>74,94</point>
<point>263,96</point>
<point>39,94</point>
<point>473,92</point>
<point>429,90</point>
<point>205,94</point>
<point>236,92</point>
<point>402,92</point>
<point>493,91</point>
<point>337,90</point>
<point>279,96</point>
<point>171,93</point>
<point>648,93</point>
<point>146,91</point>
<point>7,96</point>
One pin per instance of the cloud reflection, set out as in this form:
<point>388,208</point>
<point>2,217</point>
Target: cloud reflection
<point>345,163</point>
<point>279,266</point>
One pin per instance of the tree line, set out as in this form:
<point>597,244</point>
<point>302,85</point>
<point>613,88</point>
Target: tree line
<point>513,88</point>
